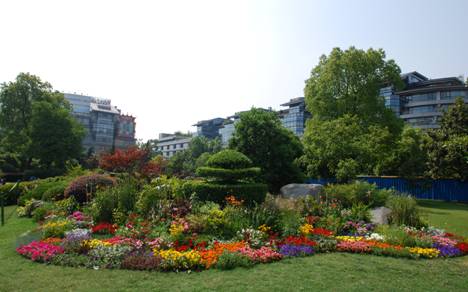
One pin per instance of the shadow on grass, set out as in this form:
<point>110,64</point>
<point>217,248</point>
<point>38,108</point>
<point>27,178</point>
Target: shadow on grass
<point>442,205</point>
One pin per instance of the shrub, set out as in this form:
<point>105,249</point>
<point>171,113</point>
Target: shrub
<point>250,193</point>
<point>81,186</point>
<point>11,196</point>
<point>41,212</point>
<point>146,262</point>
<point>160,189</point>
<point>290,222</point>
<point>70,260</point>
<point>36,189</point>
<point>357,192</point>
<point>230,260</point>
<point>229,159</point>
<point>229,175</point>
<point>404,211</point>
<point>55,192</point>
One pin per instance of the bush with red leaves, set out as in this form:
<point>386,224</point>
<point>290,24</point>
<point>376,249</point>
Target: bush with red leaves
<point>87,184</point>
<point>132,160</point>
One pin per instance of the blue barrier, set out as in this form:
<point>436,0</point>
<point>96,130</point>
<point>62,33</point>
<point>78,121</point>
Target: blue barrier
<point>441,189</point>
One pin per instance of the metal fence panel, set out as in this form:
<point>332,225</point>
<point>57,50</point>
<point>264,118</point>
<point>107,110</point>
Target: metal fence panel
<point>442,189</point>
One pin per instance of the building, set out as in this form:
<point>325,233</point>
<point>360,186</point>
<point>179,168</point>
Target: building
<point>170,144</point>
<point>294,118</point>
<point>106,128</point>
<point>422,101</point>
<point>209,128</point>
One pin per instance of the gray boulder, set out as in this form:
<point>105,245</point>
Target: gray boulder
<point>380,215</point>
<point>301,190</point>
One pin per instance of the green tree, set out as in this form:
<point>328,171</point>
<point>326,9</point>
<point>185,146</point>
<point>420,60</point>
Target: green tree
<point>448,146</point>
<point>260,135</point>
<point>348,82</point>
<point>344,148</point>
<point>55,135</point>
<point>24,102</point>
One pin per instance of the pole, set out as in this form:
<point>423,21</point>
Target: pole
<point>2,207</point>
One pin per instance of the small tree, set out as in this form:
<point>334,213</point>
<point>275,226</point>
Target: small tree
<point>132,160</point>
<point>448,146</point>
<point>261,137</point>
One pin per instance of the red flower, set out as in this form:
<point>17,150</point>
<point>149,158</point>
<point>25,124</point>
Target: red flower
<point>322,231</point>
<point>104,227</point>
<point>463,247</point>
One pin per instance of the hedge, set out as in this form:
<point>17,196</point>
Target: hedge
<point>229,159</point>
<point>229,175</point>
<point>38,189</point>
<point>250,193</point>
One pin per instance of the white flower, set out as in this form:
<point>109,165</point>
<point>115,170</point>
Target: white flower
<point>376,236</point>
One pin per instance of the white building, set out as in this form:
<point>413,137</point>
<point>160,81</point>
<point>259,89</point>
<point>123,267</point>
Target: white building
<point>171,144</point>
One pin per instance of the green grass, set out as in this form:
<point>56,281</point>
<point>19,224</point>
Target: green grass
<point>336,271</point>
<point>453,217</point>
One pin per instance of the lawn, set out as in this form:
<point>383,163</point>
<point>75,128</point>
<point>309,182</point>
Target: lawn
<point>337,271</point>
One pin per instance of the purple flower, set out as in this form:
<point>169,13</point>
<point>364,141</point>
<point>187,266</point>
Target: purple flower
<point>296,250</point>
<point>447,250</point>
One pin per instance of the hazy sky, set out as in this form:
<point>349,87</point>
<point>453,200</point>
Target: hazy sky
<point>172,63</point>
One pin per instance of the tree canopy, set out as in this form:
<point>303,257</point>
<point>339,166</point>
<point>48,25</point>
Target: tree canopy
<point>36,123</point>
<point>448,146</point>
<point>348,83</point>
<point>260,135</point>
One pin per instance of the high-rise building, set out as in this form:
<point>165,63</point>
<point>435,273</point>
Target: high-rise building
<point>422,101</point>
<point>106,128</point>
<point>294,118</point>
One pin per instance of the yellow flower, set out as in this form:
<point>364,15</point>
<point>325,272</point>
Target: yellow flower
<point>264,228</point>
<point>425,252</point>
<point>179,259</point>
<point>306,229</point>
<point>349,238</point>
<point>176,229</point>
<point>93,243</point>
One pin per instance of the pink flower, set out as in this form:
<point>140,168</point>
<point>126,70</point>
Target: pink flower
<point>39,251</point>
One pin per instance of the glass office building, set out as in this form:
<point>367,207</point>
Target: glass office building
<point>294,118</point>
<point>106,129</point>
<point>424,101</point>
<point>209,128</point>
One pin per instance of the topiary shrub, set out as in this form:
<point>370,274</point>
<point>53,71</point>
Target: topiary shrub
<point>228,173</point>
<point>250,193</point>
<point>88,184</point>
<point>229,159</point>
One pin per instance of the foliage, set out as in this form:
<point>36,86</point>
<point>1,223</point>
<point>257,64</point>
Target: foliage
<point>36,124</point>
<point>216,192</point>
<point>10,194</point>
<point>345,147</point>
<point>138,261</point>
<point>230,260</point>
<point>83,188</point>
<point>256,132</point>
<point>348,83</point>
<point>153,196</point>
<point>229,175</point>
<point>229,159</point>
<point>108,256</point>
<point>355,193</point>
<point>404,211</point>
<point>55,135</point>
<point>448,146</point>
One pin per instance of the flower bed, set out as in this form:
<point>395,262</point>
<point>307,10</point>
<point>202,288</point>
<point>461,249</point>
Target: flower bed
<point>80,246</point>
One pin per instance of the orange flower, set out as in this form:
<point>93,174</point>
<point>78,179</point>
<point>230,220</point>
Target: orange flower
<point>210,257</point>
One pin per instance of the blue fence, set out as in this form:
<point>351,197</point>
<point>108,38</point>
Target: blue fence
<point>442,189</point>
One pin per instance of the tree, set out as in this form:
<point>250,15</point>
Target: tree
<point>448,146</point>
<point>348,82</point>
<point>27,101</point>
<point>184,163</point>
<point>261,137</point>
<point>344,148</point>
<point>55,135</point>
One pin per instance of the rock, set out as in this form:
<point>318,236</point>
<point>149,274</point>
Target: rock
<point>380,215</point>
<point>301,190</point>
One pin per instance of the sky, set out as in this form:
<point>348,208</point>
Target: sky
<point>173,63</point>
